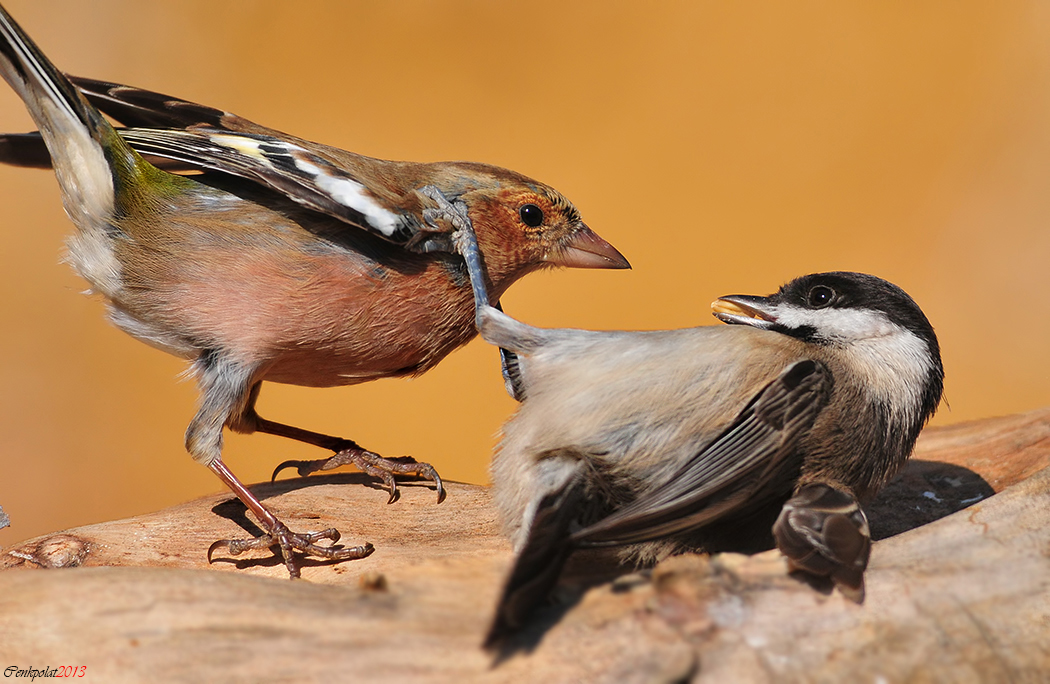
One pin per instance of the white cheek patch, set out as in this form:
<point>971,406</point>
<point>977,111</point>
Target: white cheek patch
<point>896,366</point>
<point>893,361</point>
<point>837,325</point>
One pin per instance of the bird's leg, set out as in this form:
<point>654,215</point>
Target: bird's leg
<point>349,452</point>
<point>246,419</point>
<point>228,397</point>
<point>277,533</point>
<point>824,533</point>
<point>465,242</point>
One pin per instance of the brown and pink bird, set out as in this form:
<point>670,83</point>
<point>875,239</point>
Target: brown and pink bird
<point>275,258</point>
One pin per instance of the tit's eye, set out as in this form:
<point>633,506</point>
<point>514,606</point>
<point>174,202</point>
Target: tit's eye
<point>821,296</point>
<point>531,215</point>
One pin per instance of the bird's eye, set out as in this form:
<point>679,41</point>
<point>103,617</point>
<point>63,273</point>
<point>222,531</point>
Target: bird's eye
<point>531,215</point>
<point>820,296</point>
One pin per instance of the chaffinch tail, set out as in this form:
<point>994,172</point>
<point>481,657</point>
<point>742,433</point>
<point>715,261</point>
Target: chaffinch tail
<point>278,259</point>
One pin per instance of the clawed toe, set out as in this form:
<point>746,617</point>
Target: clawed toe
<point>302,468</point>
<point>386,469</point>
<point>289,542</point>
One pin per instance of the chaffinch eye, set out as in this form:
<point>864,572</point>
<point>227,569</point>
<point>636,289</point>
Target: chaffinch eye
<point>531,215</point>
<point>820,296</point>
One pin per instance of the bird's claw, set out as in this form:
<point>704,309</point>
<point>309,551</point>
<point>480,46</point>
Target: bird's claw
<point>453,212</point>
<point>464,241</point>
<point>373,464</point>
<point>302,468</point>
<point>289,542</point>
<point>441,225</point>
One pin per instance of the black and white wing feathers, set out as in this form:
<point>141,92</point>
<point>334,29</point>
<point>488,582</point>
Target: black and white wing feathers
<point>183,137</point>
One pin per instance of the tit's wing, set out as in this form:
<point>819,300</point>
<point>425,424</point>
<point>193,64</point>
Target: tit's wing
<point>726,474</point>
<point>181,136</point>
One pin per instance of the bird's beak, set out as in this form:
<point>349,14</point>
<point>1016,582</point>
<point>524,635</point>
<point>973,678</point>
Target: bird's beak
<point>744,310</point>
<point>584,249</point>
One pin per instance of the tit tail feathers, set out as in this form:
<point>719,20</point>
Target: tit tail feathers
<point>539,563</point>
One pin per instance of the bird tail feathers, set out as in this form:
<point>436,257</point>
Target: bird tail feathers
<point>539,564</point>
<point>86,150</point>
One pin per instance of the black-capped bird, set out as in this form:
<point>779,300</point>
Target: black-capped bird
<point>710,438</point>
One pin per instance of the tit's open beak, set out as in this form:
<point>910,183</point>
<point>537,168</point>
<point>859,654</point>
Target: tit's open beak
<point>744,310</point>
<point>584,249</point>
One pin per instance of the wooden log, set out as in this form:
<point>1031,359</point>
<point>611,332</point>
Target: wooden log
<point>964,598</point>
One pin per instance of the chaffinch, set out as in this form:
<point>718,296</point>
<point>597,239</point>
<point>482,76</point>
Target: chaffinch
<point>279,259</point>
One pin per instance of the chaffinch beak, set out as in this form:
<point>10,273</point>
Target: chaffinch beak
<point>586,250</point>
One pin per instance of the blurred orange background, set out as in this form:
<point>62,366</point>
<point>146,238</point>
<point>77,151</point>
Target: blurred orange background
<point>722,147</point>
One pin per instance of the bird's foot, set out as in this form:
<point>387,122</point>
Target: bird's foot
<point>372,463</point>
<point>289,542</point>
<point>452,212</point>
<point>441,223</point>
<point>824,533</point>
<point>463,241</point>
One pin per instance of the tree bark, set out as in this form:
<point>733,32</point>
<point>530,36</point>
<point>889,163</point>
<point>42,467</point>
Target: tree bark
<point>954,597</point>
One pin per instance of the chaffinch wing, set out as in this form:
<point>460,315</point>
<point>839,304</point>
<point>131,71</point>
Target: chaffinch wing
<point>380,196</point>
